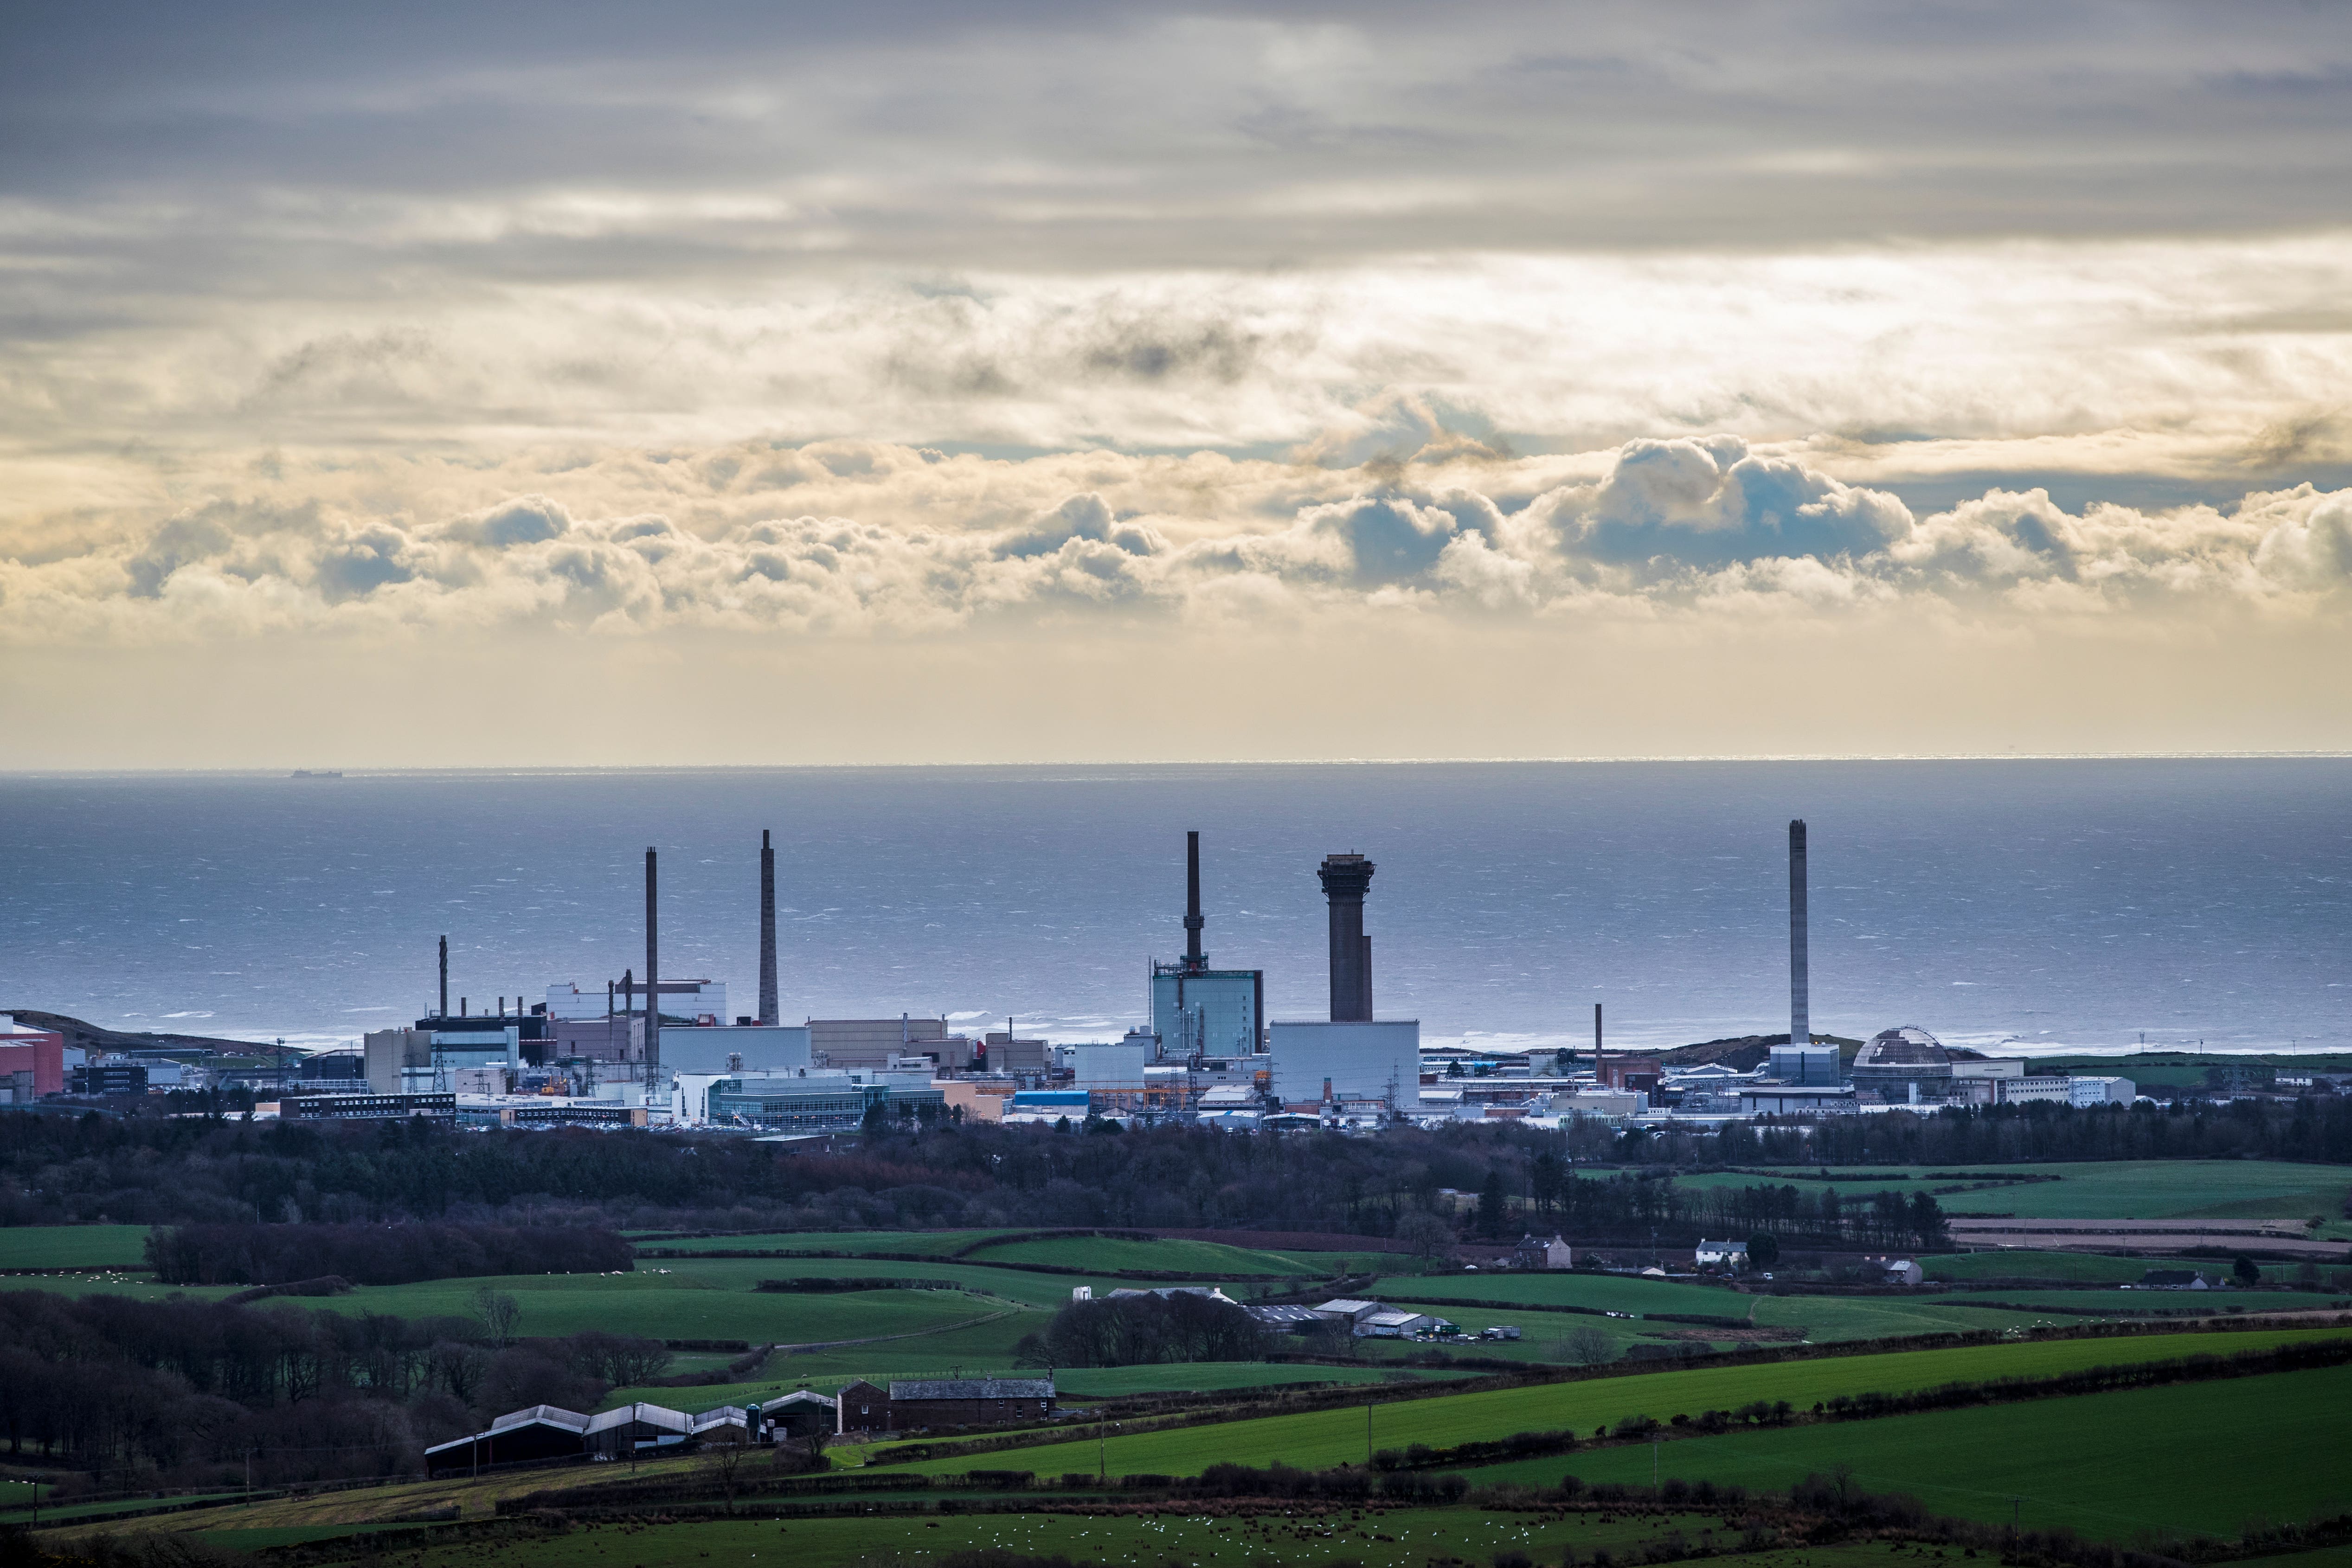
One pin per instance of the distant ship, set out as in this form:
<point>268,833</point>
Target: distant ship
<point>306,774</point>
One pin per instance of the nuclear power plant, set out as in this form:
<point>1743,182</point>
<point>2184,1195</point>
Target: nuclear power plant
<point>1198,1012</point>
<point>1349,1067</point>
<point>658,1051</point>
<point>1800,1000</point>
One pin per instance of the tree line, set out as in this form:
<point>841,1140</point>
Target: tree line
<point>190,1392</point>
<point>1144,1328</point>
<point>220,1172</point>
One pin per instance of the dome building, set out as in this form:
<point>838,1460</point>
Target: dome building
<point>1894,1060</point>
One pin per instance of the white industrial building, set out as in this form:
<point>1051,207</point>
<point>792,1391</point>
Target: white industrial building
<point>2055,1088</point>
<point>1111,1068</point>
<point>1324,1062</point>
<point>2090,1091</point>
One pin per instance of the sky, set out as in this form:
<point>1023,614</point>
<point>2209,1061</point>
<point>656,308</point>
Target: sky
<point>715,383</point>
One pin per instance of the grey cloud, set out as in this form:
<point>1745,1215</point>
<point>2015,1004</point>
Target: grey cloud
<point>1709,502</point>
<point>525,519</point>
<point>1667,527</point>
<point>1082,518</point>
<point>197,537</point>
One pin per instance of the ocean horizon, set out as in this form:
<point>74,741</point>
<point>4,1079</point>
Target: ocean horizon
<point>2032,904</point>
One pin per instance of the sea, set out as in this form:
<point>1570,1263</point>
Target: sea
<point>2032,905</point>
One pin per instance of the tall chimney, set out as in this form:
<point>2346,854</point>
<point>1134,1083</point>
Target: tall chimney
<point>1596,1042</point>
<point>653,980</point>
<point>443,1010</point>
<point>1800,1029</point>
<point>768,1008</point>
<point>1195,961</point>
<point>1346,879</point>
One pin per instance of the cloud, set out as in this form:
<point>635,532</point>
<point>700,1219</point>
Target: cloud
<point>887,541</point>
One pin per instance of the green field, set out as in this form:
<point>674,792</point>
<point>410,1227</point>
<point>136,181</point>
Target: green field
<point>2058,1267</point>
<point>2134,1189</point>
<point>2203,1303</point>
<point>713,1300</point>
<point>2199,1457</point>
<point>1821,1319</point>
<point>1320,1438</point>
<point>930,1243</point>
<point>1199,1260</point>
<point>69,1512</point>
<point>1205,1377</point>
<point>1012,1284</point>
<point>73,1246</point>
<point>2122,1189</point>
<point>680,1299</point>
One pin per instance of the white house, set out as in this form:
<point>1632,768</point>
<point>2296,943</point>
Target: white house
<point>1542,1252</point>
<point>1722,1253</point>
<point>1901,1270</point>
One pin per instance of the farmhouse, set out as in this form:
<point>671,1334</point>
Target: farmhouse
<point>1541,1252</point>
<point>2174,1279</point>
<point>1721,1254</point>
<point>912,1404</point>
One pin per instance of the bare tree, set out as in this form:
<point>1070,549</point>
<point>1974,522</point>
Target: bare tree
<point>460,1368</point>
<point>1589,1346</point>
<point>1431,1238</point>
<point>500,1313</point>
<point>726,1462</point>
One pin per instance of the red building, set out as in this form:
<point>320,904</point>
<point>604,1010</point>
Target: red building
<point>1628,1073</point>
<point>914,1406</point>
<point>39,1052</point>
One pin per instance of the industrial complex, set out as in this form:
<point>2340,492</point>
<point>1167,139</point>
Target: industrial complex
<point>655,1051</point>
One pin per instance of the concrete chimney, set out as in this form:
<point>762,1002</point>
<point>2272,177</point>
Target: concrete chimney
<point>443,1011</point>
<point>1346,879</point>
<point>1799,984</point>
<point>1195,961</point>
<point>768,1006</point>
<point>653,980</point>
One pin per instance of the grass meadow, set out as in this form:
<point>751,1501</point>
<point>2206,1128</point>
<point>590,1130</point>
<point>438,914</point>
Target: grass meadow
<point>2194,1457</point>
<point>73,1246</point>
<point>1820,1319</point>
<point>930,1243</point>
<point>1316,1439</point>
<point>2115,1189</point>
<point>1199,1259</point>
